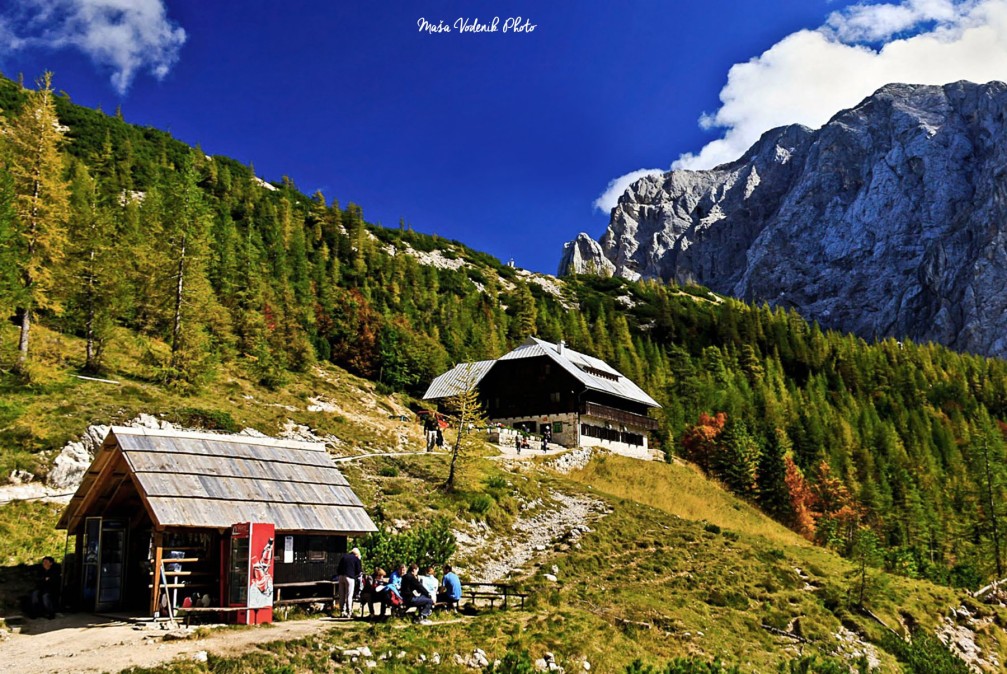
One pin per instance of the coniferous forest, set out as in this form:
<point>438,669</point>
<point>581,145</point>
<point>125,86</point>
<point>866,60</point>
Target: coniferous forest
<point>891,446</point>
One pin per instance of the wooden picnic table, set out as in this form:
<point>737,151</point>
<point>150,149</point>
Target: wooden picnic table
<point>492,592</point>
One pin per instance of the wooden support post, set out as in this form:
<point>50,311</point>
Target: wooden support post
<point>158,556</point>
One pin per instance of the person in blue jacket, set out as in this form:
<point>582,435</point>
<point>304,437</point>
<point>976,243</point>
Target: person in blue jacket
<point>451,588</point>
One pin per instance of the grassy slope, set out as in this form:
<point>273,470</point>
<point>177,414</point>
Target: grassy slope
<point>653,580</point>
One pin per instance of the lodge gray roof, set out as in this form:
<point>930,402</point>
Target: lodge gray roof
<point>208,480</point>
<point>458,379</point>
<point>593,373</point>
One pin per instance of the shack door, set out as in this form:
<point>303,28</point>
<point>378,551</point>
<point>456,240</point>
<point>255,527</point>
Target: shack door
<point>103,564</point>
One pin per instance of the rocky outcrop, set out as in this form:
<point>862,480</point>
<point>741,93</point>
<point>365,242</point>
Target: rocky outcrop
<point>584,255</point>
<point>890,220</point>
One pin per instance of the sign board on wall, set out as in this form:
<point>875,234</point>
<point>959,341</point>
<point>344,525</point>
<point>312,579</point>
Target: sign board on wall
<point>288,549</point>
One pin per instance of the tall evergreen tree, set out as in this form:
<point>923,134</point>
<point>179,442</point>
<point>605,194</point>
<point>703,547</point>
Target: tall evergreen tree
<point>94,268</point>
<point>41,205</point>
<point>191,305</point>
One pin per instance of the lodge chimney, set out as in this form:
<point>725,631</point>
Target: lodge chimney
<point>561,345</point>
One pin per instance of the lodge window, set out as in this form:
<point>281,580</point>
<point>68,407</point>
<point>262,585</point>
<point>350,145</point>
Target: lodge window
<point>554,397</point>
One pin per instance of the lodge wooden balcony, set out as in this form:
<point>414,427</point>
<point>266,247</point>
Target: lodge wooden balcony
<point>618,416</point>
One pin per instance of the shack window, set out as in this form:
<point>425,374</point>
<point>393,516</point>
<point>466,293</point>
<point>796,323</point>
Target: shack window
<point>318,548</point>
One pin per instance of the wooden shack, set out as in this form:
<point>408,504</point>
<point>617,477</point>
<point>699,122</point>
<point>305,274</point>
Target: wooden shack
<point>154,497</point>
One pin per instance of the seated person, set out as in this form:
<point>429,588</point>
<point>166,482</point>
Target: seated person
<point>429,581</point>
<point>451,588</point>
<point>395,580</point>
<point>45,596</point>
<point>373,591</point>
<point>415,594</point>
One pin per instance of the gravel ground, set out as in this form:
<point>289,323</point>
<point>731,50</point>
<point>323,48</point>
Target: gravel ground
<point>534,535</point>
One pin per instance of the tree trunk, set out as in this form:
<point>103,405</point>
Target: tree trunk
<point>450,484</point>
<point>22,345</point>
<point>176,331</point>
<point>89,361</point>
<point>992,507</point>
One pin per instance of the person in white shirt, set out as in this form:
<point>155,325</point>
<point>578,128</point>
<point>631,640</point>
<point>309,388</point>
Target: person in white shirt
<point>429,581</point>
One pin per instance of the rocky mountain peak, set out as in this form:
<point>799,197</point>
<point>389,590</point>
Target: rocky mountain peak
<point>890,220</point>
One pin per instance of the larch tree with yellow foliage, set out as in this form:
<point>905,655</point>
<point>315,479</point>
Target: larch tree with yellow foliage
<point>40,205</point>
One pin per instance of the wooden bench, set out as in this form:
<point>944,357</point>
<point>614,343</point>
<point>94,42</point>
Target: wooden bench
<point>491,592</point>
<point>324,591</point>
<point>191,611</point>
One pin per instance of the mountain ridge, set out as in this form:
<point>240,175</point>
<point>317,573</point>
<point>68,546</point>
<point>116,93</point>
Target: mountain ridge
<point>887,221</point>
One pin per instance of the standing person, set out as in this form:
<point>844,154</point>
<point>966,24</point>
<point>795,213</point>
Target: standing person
<point>347,572</point>
<point>546,436</point>
<point>414,594</point>
<point>451,588</point>
<point>431,429</point>
<point>45,596</point>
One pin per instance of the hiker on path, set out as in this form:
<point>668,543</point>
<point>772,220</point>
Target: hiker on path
<point>347,572</point>
<point>546,436</point>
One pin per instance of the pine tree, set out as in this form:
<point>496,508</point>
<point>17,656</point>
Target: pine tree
<point>192,306</point>
<point>468,415</point>
<point>736,458</point>
<point>95,277</point>
<point>524,311</point>
<point>9,278</point>
<point>774,497</point>
<point>41,205</point>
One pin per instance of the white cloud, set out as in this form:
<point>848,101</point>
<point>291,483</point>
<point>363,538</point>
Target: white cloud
<point>607,201</point>
<point>127,36</point>
<point>810,75</point>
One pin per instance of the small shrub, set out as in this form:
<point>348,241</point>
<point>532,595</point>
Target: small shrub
<point>683,666</point>
<point>9,411</point>
<point>924,654</point>
<point>811,664</point>
<point>480,504</point>
<point>388,471</point>
<point>712,528</point>
<point>735,600</point>
<point>194,417</point>
<point>431,545</point>
<point>496,482</point>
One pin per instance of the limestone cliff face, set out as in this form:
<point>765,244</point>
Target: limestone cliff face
<point>890,220</point>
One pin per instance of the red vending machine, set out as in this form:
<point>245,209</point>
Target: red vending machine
<point>250,571</point>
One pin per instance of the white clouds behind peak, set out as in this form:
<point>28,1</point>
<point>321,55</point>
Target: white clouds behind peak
<point>126,36</point>
<point>607,201</point>
<point>810,75</point>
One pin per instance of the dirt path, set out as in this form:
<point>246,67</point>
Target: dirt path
<point>86,643</point>
<point>534,536</point>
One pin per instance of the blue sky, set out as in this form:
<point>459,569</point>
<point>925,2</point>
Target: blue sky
<point>501,140</point>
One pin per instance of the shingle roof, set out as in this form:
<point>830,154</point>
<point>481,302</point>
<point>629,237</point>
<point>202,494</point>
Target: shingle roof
<point>593,373</point>
<point>207,480</point>
<point>460,378</point>
<point>580,365</point>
